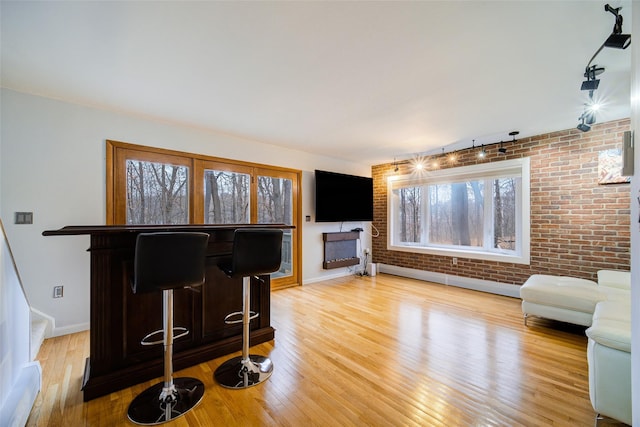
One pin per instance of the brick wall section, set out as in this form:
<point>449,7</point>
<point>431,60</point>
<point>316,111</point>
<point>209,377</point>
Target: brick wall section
<point>577,226</point>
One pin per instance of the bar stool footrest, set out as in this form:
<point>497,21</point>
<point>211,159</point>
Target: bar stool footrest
<point>178,329</point>
<point>228,319</point>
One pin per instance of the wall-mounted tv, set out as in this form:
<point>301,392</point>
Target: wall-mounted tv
<point>341,197</point>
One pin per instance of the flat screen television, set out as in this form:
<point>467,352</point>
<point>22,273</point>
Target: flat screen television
<point>341,197</point>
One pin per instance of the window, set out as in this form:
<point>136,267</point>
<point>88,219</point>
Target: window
<point>148,185</point>
<point>227,194</point>
<point>479,211</point>
<point>157,193</point>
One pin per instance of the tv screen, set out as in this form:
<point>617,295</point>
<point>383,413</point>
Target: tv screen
<point>341,197</point>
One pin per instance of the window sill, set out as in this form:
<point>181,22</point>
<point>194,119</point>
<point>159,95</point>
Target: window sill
<point>461,253</point>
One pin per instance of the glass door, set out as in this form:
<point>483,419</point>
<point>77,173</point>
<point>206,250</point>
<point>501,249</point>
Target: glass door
<point>237,194</point>
<point>275,190</point>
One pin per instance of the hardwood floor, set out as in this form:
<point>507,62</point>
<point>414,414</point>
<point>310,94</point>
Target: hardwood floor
<point>362,351</point>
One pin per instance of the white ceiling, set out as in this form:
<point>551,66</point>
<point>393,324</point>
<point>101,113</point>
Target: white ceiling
<point>364,81</point>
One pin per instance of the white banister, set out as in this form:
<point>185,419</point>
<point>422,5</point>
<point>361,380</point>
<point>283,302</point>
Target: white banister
<point>20,377</point>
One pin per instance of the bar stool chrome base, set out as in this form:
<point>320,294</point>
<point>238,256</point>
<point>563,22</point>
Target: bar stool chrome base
<point>149,408</point>
<point>239,373</point>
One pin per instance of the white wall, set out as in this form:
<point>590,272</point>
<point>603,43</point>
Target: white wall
<point>635,216</point>
<point>53,163</point>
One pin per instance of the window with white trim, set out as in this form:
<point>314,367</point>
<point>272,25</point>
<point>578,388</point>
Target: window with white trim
<point>479,211</point>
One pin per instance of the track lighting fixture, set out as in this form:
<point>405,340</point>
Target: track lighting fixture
<point>582,125</point>
<point>589,116</point>
<point>592,82</point>
<point>421,162</point>
<point>617,40</point>
<point>502,150</point>
<point>481,153</point>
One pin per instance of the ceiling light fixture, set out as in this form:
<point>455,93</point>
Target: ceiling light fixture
<point>425,161</point>
<point>616,40</point>
<point>591,83</point>
<point>582,125</point>
<point>418,163</point>
<point>453,157</point>
<point>482,153</point>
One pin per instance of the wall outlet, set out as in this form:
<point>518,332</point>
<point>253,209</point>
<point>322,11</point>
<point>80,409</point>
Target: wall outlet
<point>58,291</point>
<point>454,261</point>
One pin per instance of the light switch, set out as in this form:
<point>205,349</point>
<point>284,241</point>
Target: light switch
<point>24,218</point>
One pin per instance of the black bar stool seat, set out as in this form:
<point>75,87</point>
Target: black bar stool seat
<point>164,262</point>
<point>255,252</point>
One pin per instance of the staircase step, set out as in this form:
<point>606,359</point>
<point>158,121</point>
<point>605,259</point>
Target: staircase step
<point>38,332</point>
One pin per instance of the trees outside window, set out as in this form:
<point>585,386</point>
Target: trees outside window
<point>157,193</point>
<point>409,214</point>
<point>226,197</point>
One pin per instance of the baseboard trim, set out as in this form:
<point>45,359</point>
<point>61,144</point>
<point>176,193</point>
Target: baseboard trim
<point>451,280</point>
<point>71,329</point>
<point>328,277</point>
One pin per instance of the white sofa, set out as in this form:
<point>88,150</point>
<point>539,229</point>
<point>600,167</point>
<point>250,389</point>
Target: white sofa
<point>605,307</point>
<point>609,357</point>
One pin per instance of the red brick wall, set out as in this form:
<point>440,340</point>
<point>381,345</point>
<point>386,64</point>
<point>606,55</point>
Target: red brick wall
<point>577,226</point>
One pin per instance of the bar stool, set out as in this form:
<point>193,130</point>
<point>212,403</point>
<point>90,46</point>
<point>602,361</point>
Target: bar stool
<point>255,252</point>
<point>164,262</point>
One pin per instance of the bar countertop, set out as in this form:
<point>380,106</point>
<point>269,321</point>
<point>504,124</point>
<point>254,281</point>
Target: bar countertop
<point>76,230</point>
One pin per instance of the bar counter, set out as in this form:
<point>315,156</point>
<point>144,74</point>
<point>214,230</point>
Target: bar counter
<point>119,318</point>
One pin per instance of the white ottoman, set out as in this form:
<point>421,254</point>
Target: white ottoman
<point>566,299</point>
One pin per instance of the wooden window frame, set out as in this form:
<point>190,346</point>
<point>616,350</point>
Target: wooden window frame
<point>117,153</point>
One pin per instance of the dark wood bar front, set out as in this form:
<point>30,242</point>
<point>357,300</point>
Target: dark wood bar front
<point>120,318</point>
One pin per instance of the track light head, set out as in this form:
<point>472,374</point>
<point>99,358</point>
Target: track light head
<point>582,125</point>
<point>482,153</point>
<point>502,150</point>
<point>618,41</point>
<point>590,73</point>
<point>590,85</point>
<point>589,117</point>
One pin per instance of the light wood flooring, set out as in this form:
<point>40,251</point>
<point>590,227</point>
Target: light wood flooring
<point>362,351</point>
